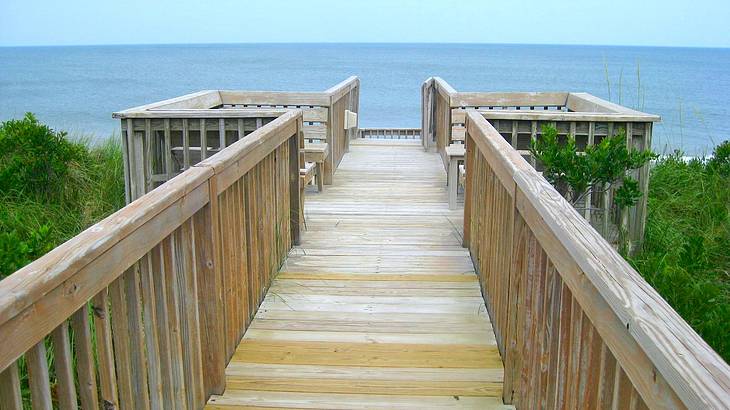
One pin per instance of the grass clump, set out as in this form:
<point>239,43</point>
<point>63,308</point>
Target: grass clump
<point>686,252</point>
<point>51,188</point>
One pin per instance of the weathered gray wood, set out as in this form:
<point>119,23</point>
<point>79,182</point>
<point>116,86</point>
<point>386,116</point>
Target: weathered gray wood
<point>221,133</point>
<point>186,144</point>
<point>152,344</point>
<point>470,99</point>
<point>40,387</point>
<point>275,98</point>
<point>638,326</point>
<point>210,291</point>
<point>203,139</point>
<point>105,353</point>
<point>10,397</point>
<point>201,99</point>
<point>63,364</point>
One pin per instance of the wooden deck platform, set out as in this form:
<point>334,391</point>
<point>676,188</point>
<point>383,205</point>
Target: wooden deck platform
<point>379,307</point>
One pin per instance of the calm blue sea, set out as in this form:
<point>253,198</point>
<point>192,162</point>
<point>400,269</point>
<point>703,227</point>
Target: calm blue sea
<point>77,88</point>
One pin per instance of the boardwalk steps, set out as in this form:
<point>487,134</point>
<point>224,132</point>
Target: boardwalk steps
<point>379,307</point>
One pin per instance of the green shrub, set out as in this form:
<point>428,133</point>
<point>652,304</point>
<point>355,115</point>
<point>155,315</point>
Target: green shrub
<point>51,189</point>
<point>35,160</point>
<point>19,249</point>
<point>602,166</point>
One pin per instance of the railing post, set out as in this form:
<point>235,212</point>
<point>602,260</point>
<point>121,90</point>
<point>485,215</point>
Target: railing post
<point>468,166</point>
<point>296,162</point>
<point>518,255</point>
<point>206,225</point>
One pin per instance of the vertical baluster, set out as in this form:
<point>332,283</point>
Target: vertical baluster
<point>168,151</point>
<point>10,397</point>
<point>189,319</point>
<point>105,353</point>
<point>63,363</point>
<point>186,143</point>
<point>136,337</point>
<point>228,271</point>
<point>125,160</point>
<point>163,324</point>
<point>533,138</point>
<point>203,139</point>
<point>206,238</point>
<point>221,133</point>
<point>515,124</point>
<point>120,335</point>
<point>40,387</point>
<point>148,170</point>
<point>171,276</point>
<point>149,310</point>
<point>85,359</point>
<point>607,379</point>
<point>239,282</point>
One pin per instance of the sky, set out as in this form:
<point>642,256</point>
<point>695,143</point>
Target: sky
<point>695,23</point>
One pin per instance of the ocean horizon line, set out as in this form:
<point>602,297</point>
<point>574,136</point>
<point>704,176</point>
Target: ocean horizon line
<point>448,43</point>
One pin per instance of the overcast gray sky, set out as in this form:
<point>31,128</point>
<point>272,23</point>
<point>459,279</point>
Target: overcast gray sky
<point>703,23</point>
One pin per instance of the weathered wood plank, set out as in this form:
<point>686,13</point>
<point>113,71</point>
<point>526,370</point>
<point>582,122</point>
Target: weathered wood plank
<point>63,365</point>
<point>85,366</point>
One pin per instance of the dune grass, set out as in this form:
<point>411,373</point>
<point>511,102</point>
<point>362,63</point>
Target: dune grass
<point>686,252</point>
<point>52,189</point>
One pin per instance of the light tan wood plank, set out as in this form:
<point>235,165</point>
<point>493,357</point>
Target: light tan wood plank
<point>364,354</point>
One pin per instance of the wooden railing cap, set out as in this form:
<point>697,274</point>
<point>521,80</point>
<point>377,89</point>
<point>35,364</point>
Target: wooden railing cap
<point>696,373</point>
<point>199,100</point>
<point>578,102</point>
<point>32,282</point>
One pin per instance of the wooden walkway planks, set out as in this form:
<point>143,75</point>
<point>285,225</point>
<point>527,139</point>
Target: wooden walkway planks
<point>379,307</point>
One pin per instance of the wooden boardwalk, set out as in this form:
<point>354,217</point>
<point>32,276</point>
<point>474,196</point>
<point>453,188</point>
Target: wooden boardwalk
<point>379,307</point>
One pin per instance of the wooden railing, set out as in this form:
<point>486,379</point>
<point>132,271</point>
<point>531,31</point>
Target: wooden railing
<point>391,133</point>
<point>158,294</point>
<point>520,117</point>
<point>343,97</point>
<point>575,324</point>
<point>436,116</point>
<point>165,137</point>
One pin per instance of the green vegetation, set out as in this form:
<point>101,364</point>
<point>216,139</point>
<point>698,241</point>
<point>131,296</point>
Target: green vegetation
<point>51,188</point>
<point>686,252</point>
<point>600,168</point>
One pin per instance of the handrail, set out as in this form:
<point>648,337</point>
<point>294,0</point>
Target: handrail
<point>338,90</point>
<point>551,265</point>
<point>207,113</point>
<point>159,276</point>
<point>344,97</point>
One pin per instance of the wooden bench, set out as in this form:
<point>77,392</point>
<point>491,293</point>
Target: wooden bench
<point>307,173</point>
<point>316,153</point>
<point>455,153</point>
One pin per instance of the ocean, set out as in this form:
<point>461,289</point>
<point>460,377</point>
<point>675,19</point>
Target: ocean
<point>77,88</point>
